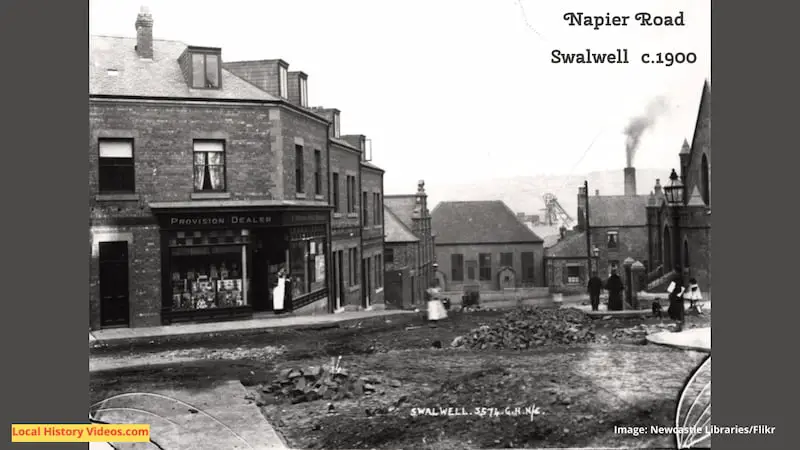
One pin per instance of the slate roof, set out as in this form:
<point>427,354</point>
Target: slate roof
<point>402,206</point>
<point>159,77</point>
<point>617,210</point>
<point>478,222</point>
<point>571,246</point>
<point>371,166</point>
<point>395,230</point>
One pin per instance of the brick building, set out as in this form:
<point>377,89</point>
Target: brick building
<point>483,244</point>
<point>409,243</point>
<point>617,230</point>
<point>694,217</point>
<point>205,179</point>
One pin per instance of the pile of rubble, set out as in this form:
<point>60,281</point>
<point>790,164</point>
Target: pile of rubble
<point>640,331</point>
<point>525,328</point>
<point>327,383</point>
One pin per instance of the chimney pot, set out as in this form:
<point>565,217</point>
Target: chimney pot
<point>144,33</point>
<point>597,192</point>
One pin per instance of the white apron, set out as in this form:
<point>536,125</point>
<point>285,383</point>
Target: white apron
<point>436,309</point>
<point>278,294</point>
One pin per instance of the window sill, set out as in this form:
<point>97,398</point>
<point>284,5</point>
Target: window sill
<point>117,197</point>
<point>354,288</point>
<point>377,227</point>
<point>300,195</point>
<point>352,215</point>
<point>211,195</point>
<point>337,215</point>
<point>319,197</point>
<point>379,290</point>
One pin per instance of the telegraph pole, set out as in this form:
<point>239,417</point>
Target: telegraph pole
<point>588,230</point>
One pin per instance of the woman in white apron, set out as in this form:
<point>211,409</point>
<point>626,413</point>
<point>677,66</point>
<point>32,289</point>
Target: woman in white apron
<point>279,293</point>
<point>436,309</point>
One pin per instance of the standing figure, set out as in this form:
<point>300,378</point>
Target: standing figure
<point>614,287</point>
<point>595,286</point>
<point>694,296</point>
<point>281,292</point>
<point>676,311</point>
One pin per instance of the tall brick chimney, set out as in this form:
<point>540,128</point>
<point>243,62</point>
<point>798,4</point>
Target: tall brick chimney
<point>144,33</point>
<point>630,181</point>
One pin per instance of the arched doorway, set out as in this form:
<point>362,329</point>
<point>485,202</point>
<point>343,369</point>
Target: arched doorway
<point>667,251</point>
<point>705,182</point>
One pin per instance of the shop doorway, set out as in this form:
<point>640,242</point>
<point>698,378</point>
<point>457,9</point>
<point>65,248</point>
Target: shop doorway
<point>269,256</point>
<point>114,293</point>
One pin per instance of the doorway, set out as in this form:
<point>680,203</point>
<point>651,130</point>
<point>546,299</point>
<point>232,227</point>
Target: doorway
<point>366,281</point>
<point>269,255</point>
<point>337,285</point>
<point>114,293</point>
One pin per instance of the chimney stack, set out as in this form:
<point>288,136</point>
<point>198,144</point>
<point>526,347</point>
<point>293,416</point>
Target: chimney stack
<point>630,181</point>
<point>597,192</point>
<point>144,33</point>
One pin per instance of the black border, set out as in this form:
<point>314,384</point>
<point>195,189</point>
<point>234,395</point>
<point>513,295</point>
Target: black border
<point>45,245</point>
<point>756,310</point>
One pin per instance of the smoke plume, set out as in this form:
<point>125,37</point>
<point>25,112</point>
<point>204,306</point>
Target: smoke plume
<point>639,124</point>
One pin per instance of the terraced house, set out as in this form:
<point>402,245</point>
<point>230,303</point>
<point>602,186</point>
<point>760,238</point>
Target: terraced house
<point>206,177</point>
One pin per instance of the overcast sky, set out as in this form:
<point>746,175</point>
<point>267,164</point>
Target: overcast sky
<point>454,90</point>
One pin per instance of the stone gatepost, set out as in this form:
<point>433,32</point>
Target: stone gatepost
<point>628,287</point>
<point>637,274</point>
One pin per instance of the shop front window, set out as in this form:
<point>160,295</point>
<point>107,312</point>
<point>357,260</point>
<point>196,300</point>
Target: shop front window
<point>208,270</point>
<point>307,263</point>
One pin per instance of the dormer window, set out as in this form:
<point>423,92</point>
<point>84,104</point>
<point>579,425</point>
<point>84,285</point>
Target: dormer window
<point>283,76</point>
<point>303,92</point>
<point>206,70</point>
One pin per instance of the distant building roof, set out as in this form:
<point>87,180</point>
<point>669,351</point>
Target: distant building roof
<point>116,69</point>
<point>617,210</point>
<point>402,206</point>
<point>478,222</point>
<point>369,165</point>
<point>395,230</point>
<point>571,246</point>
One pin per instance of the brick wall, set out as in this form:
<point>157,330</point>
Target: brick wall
<point>163,150</point>
<point>631,242</point>
<point>471,252</point>
<point>144,271</point>
<point>312,135</point>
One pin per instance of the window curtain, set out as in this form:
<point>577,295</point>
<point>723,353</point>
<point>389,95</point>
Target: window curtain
<point>215,170</point>
<point>199,170</point>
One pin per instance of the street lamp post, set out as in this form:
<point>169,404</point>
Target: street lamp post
<point>674,195</point>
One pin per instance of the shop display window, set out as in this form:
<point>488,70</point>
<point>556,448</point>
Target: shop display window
<point>208,272</point>
<point>307,265</point>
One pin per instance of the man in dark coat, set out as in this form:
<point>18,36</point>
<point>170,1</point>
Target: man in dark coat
<point>676,308</point>
<point>595,286</point>
<point>614,287</point>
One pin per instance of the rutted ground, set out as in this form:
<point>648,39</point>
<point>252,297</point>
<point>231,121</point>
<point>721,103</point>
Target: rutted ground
<point>582,390</point>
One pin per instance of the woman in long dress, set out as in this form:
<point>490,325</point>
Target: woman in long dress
<point>279,293</point>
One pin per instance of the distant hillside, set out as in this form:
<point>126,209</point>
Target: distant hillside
<point>524,194</point>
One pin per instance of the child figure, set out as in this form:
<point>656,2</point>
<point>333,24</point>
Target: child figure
<point>694,296</point>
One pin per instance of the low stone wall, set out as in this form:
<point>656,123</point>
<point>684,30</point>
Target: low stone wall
<point>500,296</point>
